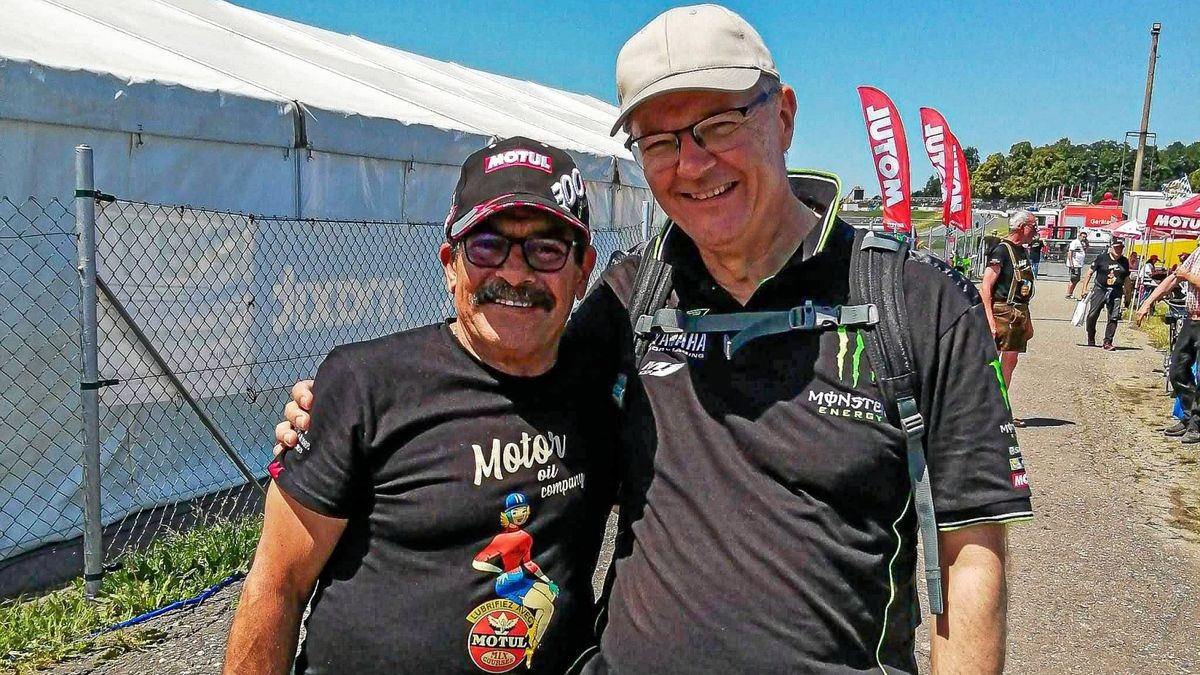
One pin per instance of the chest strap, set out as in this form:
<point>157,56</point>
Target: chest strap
<point>747,326</point>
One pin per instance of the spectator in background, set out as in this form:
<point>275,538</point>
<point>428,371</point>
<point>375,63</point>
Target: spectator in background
<point>1036,247</point>
<point>1182,259</point>
<point>1148,275</point>
<point>1076,253</point>
<point>1132,280</point>
<point>1110,272</point>
<point>1006,290</point>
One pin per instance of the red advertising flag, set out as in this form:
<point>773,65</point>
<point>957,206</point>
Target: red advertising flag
<point>934,131</point>
<point>946,155</point>
<point>889,152</point>
<point>958,198</point>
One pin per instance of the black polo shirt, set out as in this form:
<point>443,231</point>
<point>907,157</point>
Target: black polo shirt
<point>767,494</point>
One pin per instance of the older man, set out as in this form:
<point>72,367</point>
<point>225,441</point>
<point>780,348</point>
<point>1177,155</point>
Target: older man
<point>422,438</point>
<point>767,519</point>
<point>1007,288</point>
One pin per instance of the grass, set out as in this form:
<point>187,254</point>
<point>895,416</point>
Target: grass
<point>921,220</point>
<point>38,631</point>
<point>1156,330</point>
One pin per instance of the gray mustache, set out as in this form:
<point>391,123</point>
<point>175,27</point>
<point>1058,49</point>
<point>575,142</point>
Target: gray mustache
<point>498,289</point>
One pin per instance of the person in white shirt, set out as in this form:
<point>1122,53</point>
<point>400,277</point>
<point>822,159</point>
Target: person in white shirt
<point>1075,255</point>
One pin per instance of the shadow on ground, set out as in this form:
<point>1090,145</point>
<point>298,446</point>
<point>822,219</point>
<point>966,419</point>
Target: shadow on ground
<point>1046,422</point>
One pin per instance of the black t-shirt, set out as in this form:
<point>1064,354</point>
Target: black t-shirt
<point>1109,273</point>
<point>768,496</point>
<point>1035,248</point>
<point>1013,269</point>
<point>476,503</point>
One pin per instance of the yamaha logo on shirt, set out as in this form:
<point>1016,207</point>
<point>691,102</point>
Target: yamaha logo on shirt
<point>691,345</point>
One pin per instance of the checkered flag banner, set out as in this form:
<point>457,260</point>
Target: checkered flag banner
<point>1180,187</point>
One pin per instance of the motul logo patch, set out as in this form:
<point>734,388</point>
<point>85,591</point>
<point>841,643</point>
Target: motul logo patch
<point>526,158</point>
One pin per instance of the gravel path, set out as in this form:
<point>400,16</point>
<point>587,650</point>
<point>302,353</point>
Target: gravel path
<point>1106,579</point>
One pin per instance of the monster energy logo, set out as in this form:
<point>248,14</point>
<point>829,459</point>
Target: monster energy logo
<point>855,360</point>
<point>995,364</point>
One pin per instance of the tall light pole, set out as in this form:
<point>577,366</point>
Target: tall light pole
<point>1141,151</point>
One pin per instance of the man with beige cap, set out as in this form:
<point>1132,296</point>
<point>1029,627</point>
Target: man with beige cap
<point>767,515</point>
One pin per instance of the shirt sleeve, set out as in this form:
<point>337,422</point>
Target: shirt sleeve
<point>1192,262</point>
<point>997,256</point>
<point>323,471</point>
<point>975,464</point>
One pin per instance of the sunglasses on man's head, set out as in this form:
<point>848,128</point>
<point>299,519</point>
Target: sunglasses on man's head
<point>543,253</point>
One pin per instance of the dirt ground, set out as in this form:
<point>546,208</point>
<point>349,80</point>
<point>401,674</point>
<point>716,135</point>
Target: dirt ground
<point>1105,579</point>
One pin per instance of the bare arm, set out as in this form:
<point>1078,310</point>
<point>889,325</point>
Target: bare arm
<point>990,274</point>
<point>1165,286</point>
<point>296,542</point>
<point>971,635</point>
<point>1190,277</point>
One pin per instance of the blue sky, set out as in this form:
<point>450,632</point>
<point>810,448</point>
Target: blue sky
<point>1000,72</point>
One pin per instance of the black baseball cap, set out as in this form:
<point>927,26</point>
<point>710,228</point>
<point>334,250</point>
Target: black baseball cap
<point>518,171</point>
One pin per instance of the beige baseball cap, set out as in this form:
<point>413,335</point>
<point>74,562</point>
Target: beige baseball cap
<point>697,48</point>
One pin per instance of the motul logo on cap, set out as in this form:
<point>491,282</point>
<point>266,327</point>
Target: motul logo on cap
<point>529,158</point>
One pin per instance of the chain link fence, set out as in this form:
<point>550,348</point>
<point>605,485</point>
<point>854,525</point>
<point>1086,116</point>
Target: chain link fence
<point>40,438</point>
<point>205,319</point>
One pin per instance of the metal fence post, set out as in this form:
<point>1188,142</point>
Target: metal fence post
<point>89,392</point>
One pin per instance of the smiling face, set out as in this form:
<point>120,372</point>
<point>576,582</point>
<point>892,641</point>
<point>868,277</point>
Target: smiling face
<point>721,200</point>
<point>512,316</point>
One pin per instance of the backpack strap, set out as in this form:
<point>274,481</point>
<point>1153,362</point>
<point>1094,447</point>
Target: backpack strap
<point>651,289</point>
<point>746,326</point>
<point>877,277</point>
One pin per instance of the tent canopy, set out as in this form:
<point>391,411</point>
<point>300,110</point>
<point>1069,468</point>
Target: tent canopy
<point>209,72</point>
<point>1181,220</point>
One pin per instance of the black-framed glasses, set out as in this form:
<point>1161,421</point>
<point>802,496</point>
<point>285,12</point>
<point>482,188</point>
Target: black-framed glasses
<point>542,254</point>
<point>717,133</point>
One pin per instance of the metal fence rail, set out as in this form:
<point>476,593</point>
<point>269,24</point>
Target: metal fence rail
<point>204,320</point>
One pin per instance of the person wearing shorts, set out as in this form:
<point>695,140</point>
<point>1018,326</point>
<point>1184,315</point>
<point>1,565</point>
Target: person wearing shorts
<point>1006,289</point>
<point>1013,327</point>
<point>1076,252</point>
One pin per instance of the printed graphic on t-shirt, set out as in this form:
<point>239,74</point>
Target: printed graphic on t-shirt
<point>846,401</point>
<point>507,631</point>
<point>1016,463</point>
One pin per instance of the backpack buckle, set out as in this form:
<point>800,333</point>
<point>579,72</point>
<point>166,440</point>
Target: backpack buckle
<point>810,317</point>
<point>913,425</point>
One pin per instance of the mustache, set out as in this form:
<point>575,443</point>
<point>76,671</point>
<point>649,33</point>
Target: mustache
<point>498,289</point>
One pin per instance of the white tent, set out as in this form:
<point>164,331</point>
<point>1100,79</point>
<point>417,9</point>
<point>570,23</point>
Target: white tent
<point>205,103</point>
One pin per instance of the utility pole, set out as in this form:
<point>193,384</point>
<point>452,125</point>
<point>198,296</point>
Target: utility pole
<point>1141,151</point>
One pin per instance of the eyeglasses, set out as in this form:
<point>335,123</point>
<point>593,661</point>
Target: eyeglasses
<point>717,133</point>
<point>542,254</point>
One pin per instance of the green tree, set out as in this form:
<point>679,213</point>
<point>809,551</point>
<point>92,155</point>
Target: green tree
<point>1194,179</point>
<point>933,187</point>
<point>971,155</point>
<point>1025,170</point>
<point>989,176</point>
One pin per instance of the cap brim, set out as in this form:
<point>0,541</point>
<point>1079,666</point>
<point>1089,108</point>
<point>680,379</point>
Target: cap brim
<point>462,226</point>
<point>709,79</point>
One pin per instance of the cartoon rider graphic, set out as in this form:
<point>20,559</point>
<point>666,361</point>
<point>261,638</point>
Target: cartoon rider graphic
<point>519,579</point>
